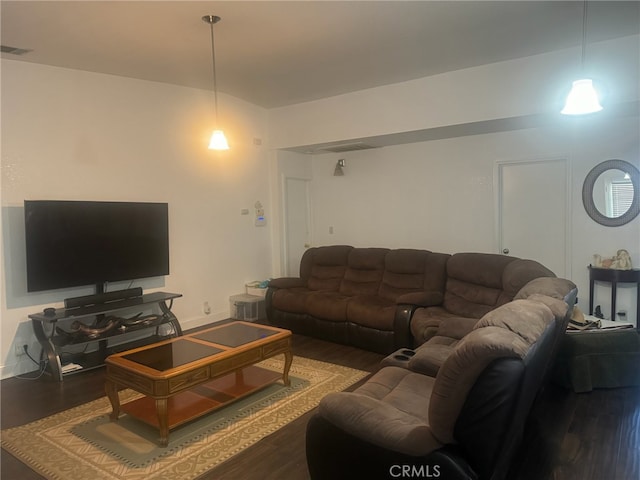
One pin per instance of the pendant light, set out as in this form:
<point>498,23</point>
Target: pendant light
<point>582,98</point>
<point>218,140</point>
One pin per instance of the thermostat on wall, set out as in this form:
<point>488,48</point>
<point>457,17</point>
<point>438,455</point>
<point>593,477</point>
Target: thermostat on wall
<point>261,221</point>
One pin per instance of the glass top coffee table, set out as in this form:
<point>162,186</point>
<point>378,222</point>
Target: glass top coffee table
<point>189,376</point>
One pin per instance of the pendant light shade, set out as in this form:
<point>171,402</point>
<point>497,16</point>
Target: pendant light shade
<point>218,140</point>
<point>582,99</point>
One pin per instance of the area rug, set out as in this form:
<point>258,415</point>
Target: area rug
<point>82,443</point>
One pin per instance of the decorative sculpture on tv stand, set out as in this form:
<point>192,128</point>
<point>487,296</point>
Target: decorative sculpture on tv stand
<point>621,261</point>
<point>106,326</point>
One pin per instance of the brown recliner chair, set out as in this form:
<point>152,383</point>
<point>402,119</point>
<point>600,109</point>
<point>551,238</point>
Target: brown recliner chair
<point>463,424</point>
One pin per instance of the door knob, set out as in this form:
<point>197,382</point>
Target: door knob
<point>505,251</point>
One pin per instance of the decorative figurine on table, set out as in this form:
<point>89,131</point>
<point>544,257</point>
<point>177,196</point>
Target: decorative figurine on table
<point>622,261</point>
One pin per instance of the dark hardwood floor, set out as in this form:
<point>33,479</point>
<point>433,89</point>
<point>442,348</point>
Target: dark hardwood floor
<point>589,436</point>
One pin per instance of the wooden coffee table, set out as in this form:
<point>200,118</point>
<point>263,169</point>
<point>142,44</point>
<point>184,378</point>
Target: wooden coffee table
<point>189,376</point>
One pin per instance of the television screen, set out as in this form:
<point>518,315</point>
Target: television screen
<point>76,243</point>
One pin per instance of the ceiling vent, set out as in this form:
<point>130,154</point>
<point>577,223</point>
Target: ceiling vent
<point>13,50</point>
<point>347,147</point>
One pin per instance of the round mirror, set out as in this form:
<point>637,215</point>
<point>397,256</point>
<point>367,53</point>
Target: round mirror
<point>611,193</point>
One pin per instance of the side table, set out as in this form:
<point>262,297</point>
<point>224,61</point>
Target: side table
<point>614,277</point>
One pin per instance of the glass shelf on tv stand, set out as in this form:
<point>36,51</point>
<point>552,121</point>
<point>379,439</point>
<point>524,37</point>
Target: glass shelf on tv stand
<point>52,331</point>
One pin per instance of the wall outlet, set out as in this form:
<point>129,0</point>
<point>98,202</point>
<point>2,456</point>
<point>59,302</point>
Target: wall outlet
<point>19,346</point>
<point>206,308</point>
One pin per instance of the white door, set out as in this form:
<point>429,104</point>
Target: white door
<point>296,223</point>
<point>534,212</point>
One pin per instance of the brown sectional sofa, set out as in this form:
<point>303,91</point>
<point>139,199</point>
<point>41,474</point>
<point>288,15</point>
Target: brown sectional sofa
<point>383,299</point>
<point>463,423</point>
<point>475,335</point>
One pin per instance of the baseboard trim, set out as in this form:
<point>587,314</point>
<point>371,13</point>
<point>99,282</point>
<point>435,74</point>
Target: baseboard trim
<point>196,322</point>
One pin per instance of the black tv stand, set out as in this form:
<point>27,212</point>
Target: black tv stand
<point>110,326</point>
<point>102,297</point>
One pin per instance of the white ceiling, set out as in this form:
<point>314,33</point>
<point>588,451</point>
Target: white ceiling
<point>279,53</point>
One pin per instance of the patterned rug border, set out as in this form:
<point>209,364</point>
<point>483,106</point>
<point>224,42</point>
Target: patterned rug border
<point>260,401</point>
<point>50,447</point>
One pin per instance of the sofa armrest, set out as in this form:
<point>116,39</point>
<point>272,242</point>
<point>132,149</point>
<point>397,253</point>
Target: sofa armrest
<point>287,282</point>
<point>402,337</point>
<point>421,299</point>
<point>407,304</point>
<point>429,358</point>
<point>405,309</point>
<point>272,288</point>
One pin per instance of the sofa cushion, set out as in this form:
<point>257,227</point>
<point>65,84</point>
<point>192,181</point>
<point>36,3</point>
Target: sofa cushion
<point>408,271</point>
<point>470,300</point>
<point>457,327</point>
<point>390,410</point>
<point>365,267</point>
<point>474,283</point>
<point>520,272</point>
<point>330,306</point>
<point>422,299</point>
<point>478,268</point>
<point>324,267</point>
<point>371,311</point>
<point>480,282</point>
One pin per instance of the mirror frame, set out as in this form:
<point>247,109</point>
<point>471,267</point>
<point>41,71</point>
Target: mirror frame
<point>587,193</point>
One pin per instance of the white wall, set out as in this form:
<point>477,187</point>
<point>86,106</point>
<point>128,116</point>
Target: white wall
<point>440,195</point>
<point>69,134</point>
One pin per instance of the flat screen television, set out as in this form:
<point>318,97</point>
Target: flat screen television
<point>77,243</point>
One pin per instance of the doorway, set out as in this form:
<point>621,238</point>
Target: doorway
<point>297,229</point>
<point>533,212</point>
